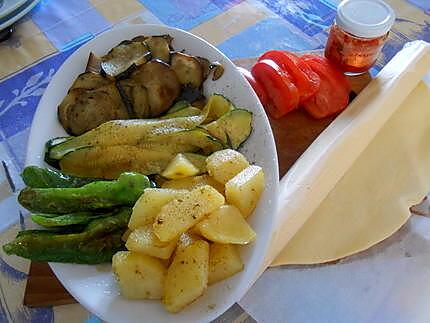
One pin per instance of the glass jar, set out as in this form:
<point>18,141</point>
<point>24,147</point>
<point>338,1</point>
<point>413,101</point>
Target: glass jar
<point>358,34</point>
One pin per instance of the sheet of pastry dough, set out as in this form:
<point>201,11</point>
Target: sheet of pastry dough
<point>372,199</point>
<point>315,174</point>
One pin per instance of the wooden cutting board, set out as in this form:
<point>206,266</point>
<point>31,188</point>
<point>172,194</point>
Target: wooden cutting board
<point>293,135</point>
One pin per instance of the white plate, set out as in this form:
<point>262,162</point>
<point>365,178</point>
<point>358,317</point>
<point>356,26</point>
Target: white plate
<point>8,20</point>
<point>10,5</point>
<point>94,286</point>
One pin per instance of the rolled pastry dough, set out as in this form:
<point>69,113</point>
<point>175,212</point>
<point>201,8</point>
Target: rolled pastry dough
<point>372,199</point>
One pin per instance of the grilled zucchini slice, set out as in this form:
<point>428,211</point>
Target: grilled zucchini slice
<point>124,132</point>
<point>199,138</point>
<point>232,129</point>
<point>179,106</point>
<point>109,162</point>
<point>218,105</point>
<point>189,111</point>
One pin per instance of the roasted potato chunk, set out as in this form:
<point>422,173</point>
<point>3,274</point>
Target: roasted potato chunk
<point>223,165</point>
<point>150,203</point>
<point>224,261</point>
<point>226,225</point>
<point>143,240</point>
<point>180,167</point>
<point>139,276</point>
<point>244,190</point>
<point>187,276</point>
<point>180,214</point>
<point>187,238</point>
<point>190,183</point>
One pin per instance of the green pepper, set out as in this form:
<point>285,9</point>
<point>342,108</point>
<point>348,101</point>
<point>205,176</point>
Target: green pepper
<point>97,243</point>
<point>38,177</point>
<point>62,220</point>
<point>93,196</point>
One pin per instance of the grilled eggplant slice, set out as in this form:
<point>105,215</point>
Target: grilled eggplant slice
<point>120,60</point>
<point>191,94</point>
<point>161,83</point>
<point>218,69</point>
<point>206,66</point>
<point>188,70</point>
<point>159,46</point>
<point>89,81</point>
<point>126,95</point>
<point>83,110</point>
<point>135,97</point>
<point>63,110</point>
<point>94,64</point>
